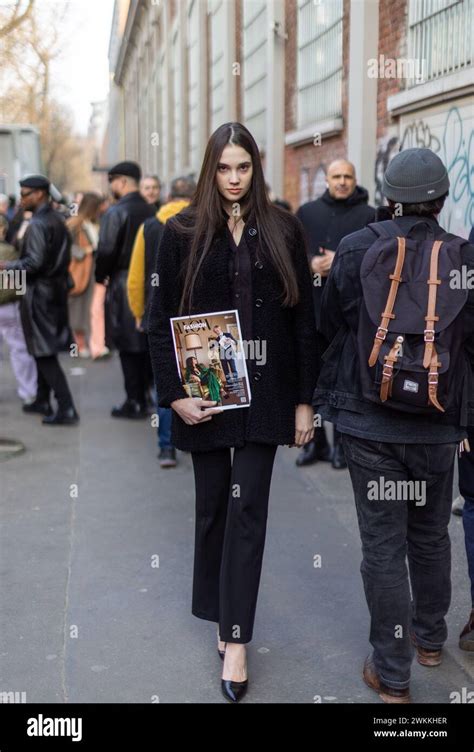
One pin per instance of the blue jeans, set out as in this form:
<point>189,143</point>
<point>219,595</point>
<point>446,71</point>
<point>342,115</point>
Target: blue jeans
<point>164,426</point>
<point>466,489</point>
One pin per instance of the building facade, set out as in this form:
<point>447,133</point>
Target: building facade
<point>312,79</point>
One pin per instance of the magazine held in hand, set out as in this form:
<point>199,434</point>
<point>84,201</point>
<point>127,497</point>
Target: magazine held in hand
<point>210,357</point>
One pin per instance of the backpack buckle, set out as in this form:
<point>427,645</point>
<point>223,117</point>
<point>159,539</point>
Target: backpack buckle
<point>429,335</point>
<point>387,374</point>
<point>381,333</point>
<point>433,378</point>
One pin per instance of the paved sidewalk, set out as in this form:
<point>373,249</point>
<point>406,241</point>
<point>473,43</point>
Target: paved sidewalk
<point>85,616</point>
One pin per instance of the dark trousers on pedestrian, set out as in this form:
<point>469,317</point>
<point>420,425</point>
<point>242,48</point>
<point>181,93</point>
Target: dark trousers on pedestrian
<point>136,374</point>
<point>466,489</point>
<point>231,518</point>
<point>393,531</point>
<point>51,378</point>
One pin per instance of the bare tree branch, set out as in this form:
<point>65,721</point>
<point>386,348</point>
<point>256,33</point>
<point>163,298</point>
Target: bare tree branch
<point>16,20</point>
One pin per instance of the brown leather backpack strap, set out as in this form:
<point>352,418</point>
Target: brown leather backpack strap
<point>388,314</point>
<point>431,317</point>
<point>433,380</point>
<point>387,372</point>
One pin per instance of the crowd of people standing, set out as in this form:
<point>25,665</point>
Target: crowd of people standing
<point>398,390</point>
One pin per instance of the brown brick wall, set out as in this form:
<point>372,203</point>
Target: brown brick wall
<point>315,159</point>
<point>392,44</point>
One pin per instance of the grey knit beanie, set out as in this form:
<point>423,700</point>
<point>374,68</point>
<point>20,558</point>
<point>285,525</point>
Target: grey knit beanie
<point>415,175</point>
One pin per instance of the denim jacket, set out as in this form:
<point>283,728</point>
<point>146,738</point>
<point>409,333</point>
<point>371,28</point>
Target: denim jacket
<point>338,386</point>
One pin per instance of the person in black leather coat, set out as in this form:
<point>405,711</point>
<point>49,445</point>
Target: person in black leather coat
<point>44,261</point>
<point>118,229</point>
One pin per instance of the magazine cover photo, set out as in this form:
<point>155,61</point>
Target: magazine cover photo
<point>210,355</point>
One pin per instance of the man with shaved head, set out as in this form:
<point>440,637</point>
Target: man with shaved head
<point>343,208</point>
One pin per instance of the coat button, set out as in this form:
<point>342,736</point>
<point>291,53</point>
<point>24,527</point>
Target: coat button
<point>259,264</point>
<point>252,231</point>
<point>257,376</point>
<point>258,303</point>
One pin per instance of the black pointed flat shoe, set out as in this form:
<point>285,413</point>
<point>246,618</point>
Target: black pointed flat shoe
<point>234,691</point>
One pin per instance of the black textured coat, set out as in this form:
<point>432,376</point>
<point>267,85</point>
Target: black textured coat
<point>45,256</point>
<point>152,233</point>
<point>289,375</point>
<point>327,220</point>
<point>118,229</point>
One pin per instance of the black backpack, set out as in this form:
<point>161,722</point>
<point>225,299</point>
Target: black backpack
<point>409,337</point>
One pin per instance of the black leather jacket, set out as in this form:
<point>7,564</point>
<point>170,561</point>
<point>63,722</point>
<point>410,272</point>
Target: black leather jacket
<point>118,229</point>
<point>45,257</point>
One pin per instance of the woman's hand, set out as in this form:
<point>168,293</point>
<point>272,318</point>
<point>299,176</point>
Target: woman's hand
<point>189,410</point>
<point>304,425</point>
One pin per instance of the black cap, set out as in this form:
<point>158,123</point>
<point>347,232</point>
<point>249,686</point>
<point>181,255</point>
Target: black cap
<point>415,175</point>
<point>40,182</point>
<point>128,169</point>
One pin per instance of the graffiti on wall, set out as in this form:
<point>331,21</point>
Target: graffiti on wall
<point>450,134</point>
<point>387,149</point>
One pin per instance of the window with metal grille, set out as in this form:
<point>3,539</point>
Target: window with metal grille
<point>255,20</point>
<point>440,34</point>
<point>319,69</point>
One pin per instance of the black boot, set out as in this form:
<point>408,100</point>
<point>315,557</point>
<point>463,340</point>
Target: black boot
<point>323,450</point>
<point>39,407</point>
<point>338,457</point>
<point>130,409</point>
<point>307,454</point>
<point>68,417</point>
<point>316,449</point>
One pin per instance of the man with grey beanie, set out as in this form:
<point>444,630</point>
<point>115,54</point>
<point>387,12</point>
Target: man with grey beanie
<point>398,332</point>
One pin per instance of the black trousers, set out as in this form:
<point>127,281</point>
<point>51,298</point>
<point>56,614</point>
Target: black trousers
<point>231,520</point>
<point>136,374</point>
<point>51,378</point>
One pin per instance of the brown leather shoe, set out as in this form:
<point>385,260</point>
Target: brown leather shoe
<point>387,694</point>
<point>427,657</point>
<point>466,638</point>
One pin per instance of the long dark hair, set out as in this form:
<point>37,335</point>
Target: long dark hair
<point>205,215</point>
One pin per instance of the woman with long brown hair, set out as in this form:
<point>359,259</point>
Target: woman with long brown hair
<point>85,233</point>
<point>232,249</point>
